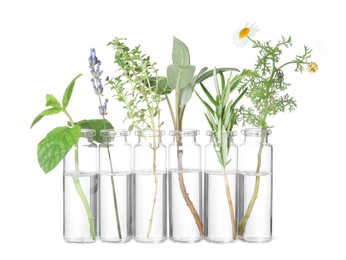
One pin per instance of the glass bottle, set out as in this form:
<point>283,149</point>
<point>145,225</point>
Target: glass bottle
<point>115,186</point>
<point>255,186</point>
<point>150,188</point>
<point>220,172</point>
<point>80,184</point>
<point>185,187</point>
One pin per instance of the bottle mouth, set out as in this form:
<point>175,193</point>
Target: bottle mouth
<point>222,133</point>
<point>184,133</point>
<point>114,132</point>
<point>256,132</point>
<point>150,133</point>
<point>87,132</point>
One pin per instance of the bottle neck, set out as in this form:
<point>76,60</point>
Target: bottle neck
<point>184,137</point>
<point>256,135</point>
<point>149,140</point>
<point>115,139</point>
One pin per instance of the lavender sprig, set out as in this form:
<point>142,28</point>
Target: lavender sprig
<point>96,72</point>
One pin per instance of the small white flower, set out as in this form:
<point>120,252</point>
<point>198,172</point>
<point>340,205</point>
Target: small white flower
<point>240,37</point>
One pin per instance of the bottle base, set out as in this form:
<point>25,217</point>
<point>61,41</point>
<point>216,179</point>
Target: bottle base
<point>255,239</point>
<point>154,240</point>
<point>115,240</point>
<point>79,240</point>
<point>219,240</point>
<point>186,239</point>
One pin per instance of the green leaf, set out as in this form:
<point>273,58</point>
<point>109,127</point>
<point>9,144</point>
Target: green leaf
<point>51,101</point>
<point>180,55</point>
<point>97,125</point>
<point>205,104</point>
<point>186,94</point>
<point>179,77</point>
<point>238,99</point>
<point>194,81</point>
<point>68,92</point>
<point>207,93</point>
<point>216,83</point>
<point>53,148</point>
<point>48,112</point>
<point>209,73</point>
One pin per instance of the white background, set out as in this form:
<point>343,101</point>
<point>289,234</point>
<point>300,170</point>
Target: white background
<point>44,44</point>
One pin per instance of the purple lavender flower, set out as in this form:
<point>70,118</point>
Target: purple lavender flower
<point>103,108</point>
<point>98,72</point>
<point>98,89</point>
<point>92,58</point>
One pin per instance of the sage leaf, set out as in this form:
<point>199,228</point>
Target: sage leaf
<point>68,92</point>
<point>186,94</point>
<point>180,55</point>
<point>97,125</point>
<point>179,77</point>
<point>53,148</point>
<point>51,101</point>
<point>48,112</point>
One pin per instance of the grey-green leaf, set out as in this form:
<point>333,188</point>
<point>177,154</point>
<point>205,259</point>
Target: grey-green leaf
<point>53,148</point>
<point>180,55</point>
<point>179,77</point>
<point>186,94</point>
<point>97,125</point>
<point>48,112</point>
<point>209,73</point>
<point>68,92</point>
<point>51,101</point>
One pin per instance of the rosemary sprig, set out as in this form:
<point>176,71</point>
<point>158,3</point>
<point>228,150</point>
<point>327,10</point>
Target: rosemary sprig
<point>221,116</point>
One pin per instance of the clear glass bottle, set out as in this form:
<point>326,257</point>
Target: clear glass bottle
<point>150,188</point>
<point>220,173</point>
<point>115,186</point>
<point>185,187</point>
<point>80,186</point>
<point>255,186</point>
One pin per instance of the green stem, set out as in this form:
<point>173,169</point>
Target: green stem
<point>156,186</point>
<point>82,195</point>
<point>79,187</point>
<point>115,201</point>
<point>242,224</point>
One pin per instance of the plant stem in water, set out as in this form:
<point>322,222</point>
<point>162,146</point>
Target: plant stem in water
<point>82,195</point>
<point>242,224</point>
<point>187,199</point>
<point>230,204</point>
<point>156,187</point>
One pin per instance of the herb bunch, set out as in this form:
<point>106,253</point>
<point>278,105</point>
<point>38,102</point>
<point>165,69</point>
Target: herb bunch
<point>267,88</point>
<point>267,91</point>
<point>221,116</point>
<point>139,88</point>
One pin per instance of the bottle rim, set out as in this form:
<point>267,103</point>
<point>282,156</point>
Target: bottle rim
<point>114,132</point>
<point>184,133</point>
<point>87,132</point>
<point>256,132</point>
<point>150,133</point>
<point>228,133</point>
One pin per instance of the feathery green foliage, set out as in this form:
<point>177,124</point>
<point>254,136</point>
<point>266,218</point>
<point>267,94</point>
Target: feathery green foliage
<point>267,88</point>
<point>221,112</point>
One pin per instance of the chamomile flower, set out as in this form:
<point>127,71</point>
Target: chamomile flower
<point>240,37</point>
<point>312,67</point>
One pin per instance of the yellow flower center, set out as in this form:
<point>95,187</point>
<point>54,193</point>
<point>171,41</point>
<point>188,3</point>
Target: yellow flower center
<point>244,32</point>
<point>312,67</point>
